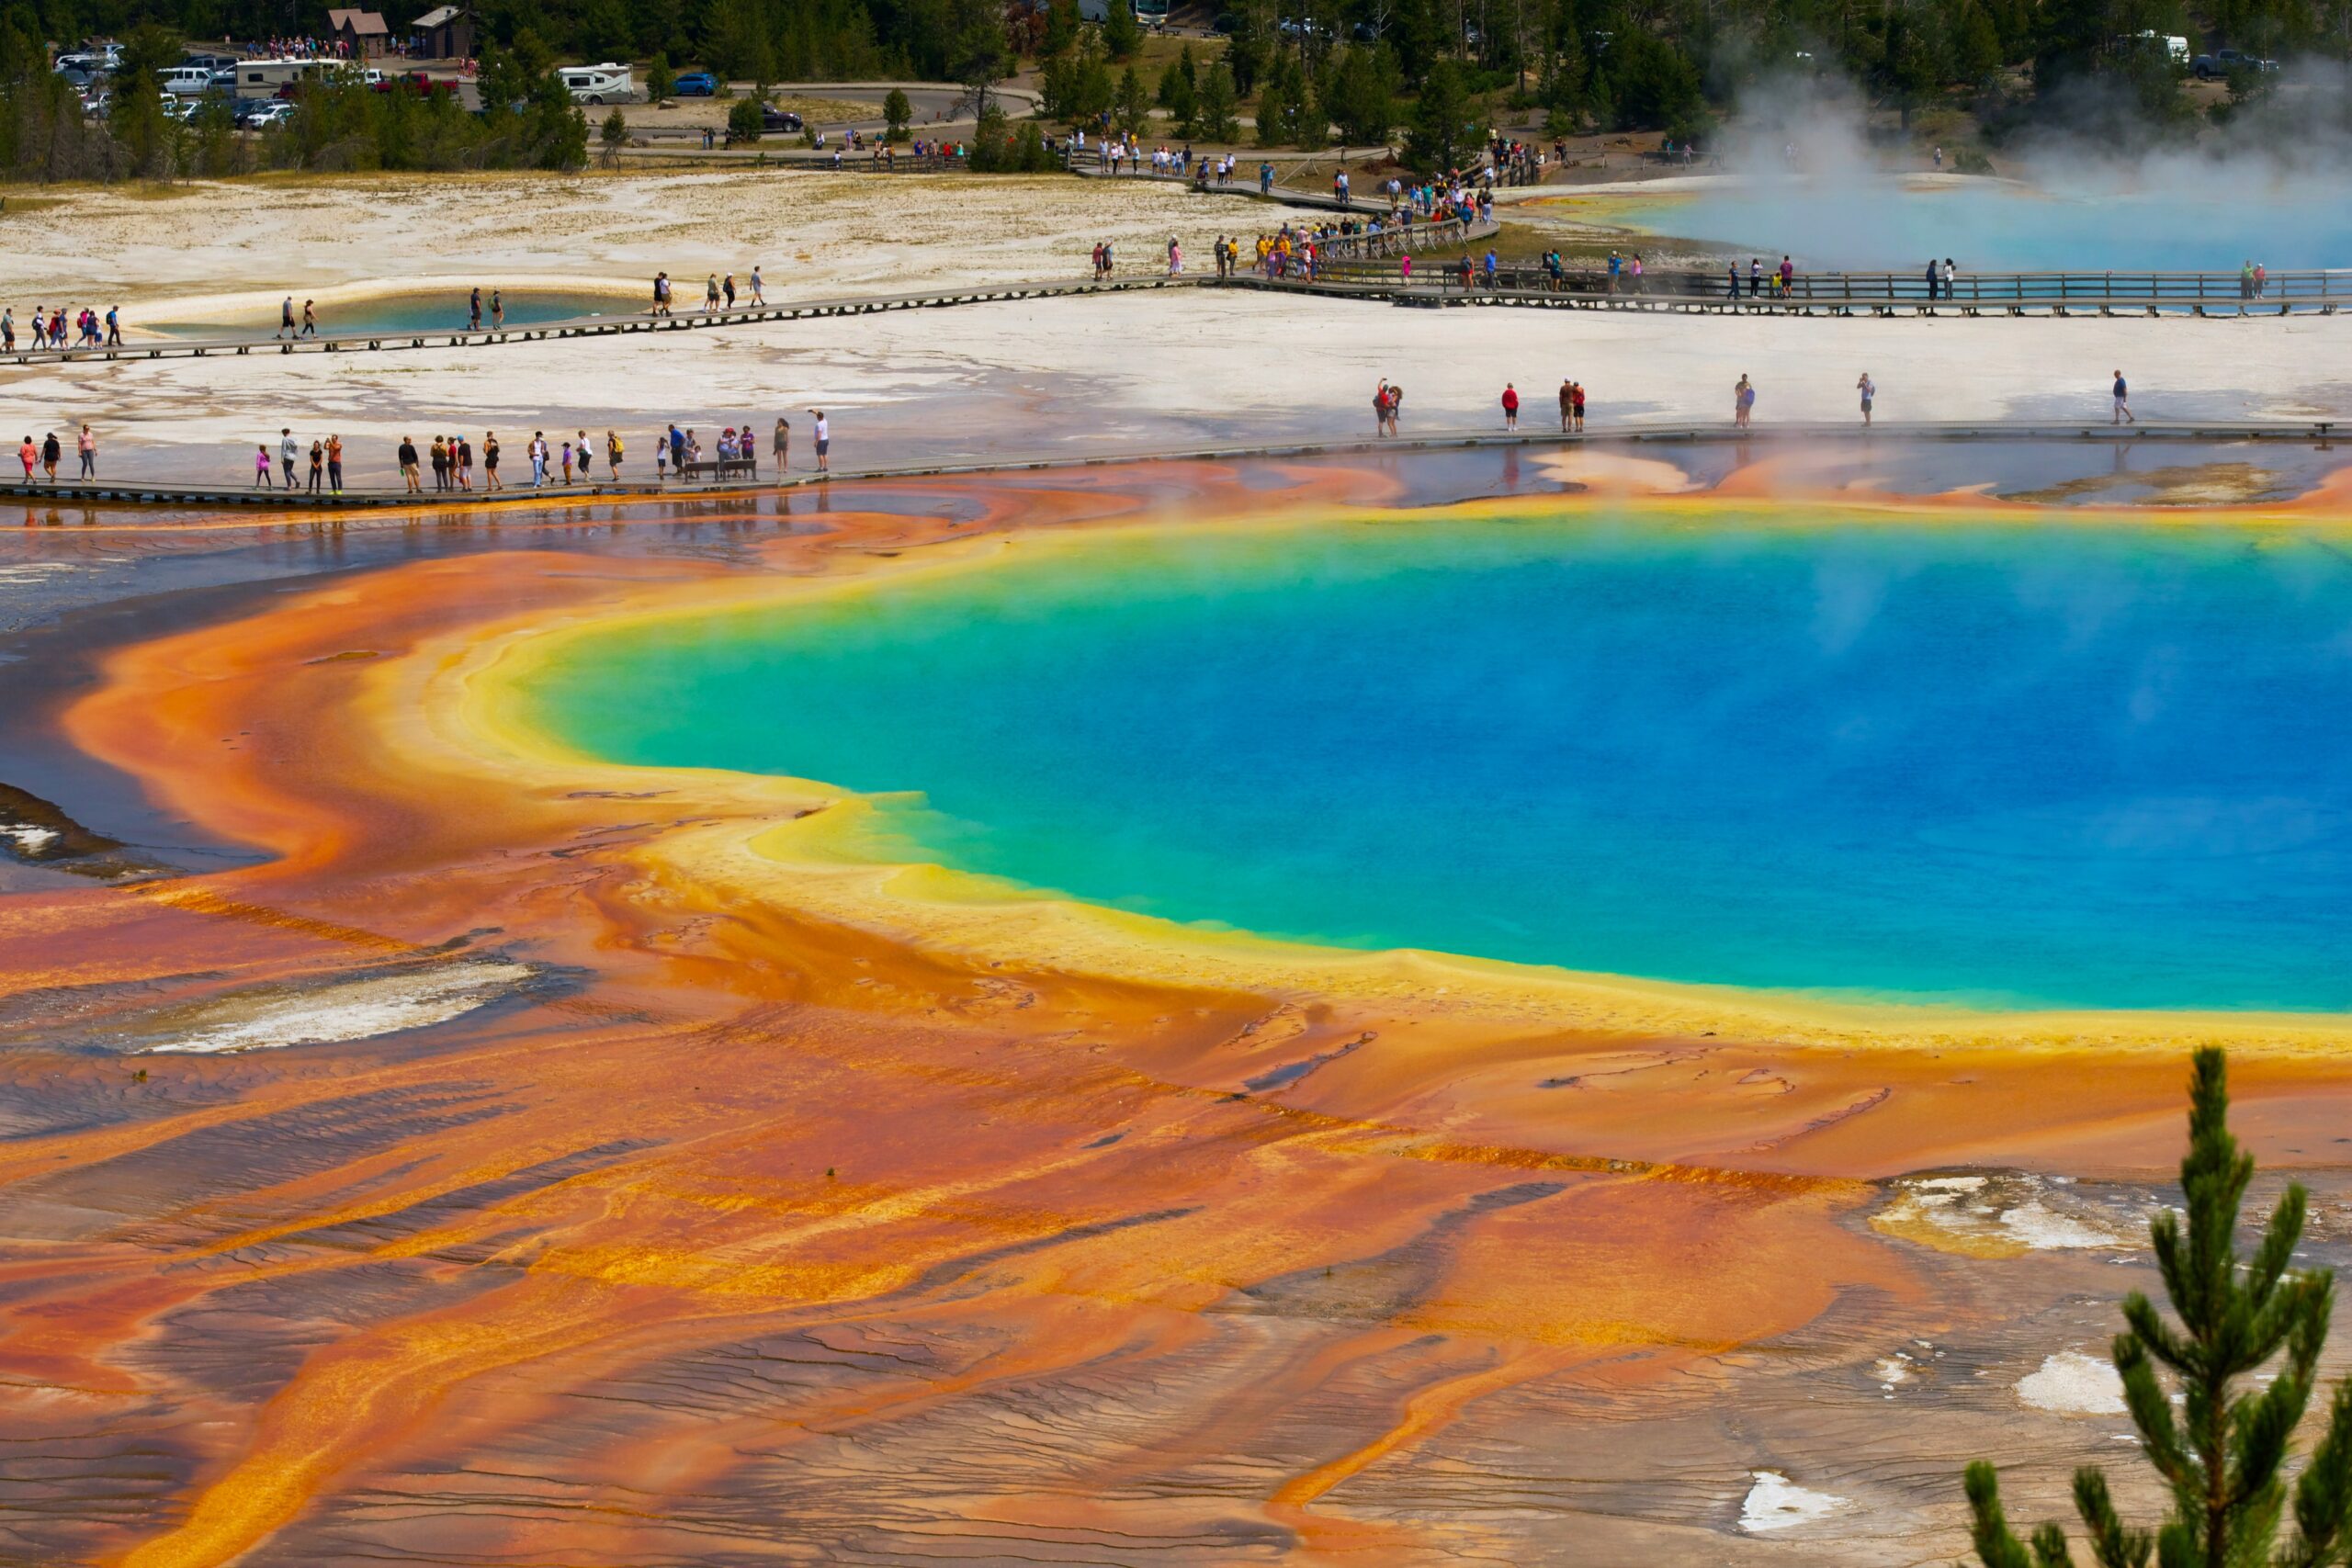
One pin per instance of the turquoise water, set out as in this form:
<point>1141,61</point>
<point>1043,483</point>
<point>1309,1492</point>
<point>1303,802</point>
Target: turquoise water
<point>425,312</point>
<point>2066,765</point>
<point>1836,223</point>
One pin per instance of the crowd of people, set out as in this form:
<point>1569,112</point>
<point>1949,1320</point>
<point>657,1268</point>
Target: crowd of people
<point>63,326</point>
<point>451,460</point>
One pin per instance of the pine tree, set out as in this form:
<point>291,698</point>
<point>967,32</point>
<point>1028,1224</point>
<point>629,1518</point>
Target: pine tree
<point>1440,121</point>
<point>1121,36</point>
<point>2224,1455</point>
<point>1132,108</point>
<point>1213,117</point>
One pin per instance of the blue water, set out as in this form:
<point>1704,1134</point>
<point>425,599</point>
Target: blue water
<point>2066,765</point>
<point>2214,226</point>
<point>442,312</point>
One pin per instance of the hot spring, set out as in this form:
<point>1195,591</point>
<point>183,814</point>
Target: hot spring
<point>2061,764</point>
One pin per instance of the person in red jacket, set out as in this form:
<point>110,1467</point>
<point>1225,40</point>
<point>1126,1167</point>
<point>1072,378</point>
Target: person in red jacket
<point>1510,406</point>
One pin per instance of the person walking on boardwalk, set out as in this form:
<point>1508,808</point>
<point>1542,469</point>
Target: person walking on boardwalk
<point>27,454</point>
<point>407,458</point>
<point>50,452</point>
<point>1510,406</point>
<point>710,295</point>
<point>88,444</point>
<point>567,460</point>
<point>310,319</point>
<point>729,287</point>
<point>660,294</point>
<point>438,456</point>
<point>783,444</point>
<point>318,463</point>
<point>334,464</point>
<point>1869,390</point>
<point>473,310</point>
<point>1568,405</point>
<point>1743,402</point>
<point>285,319</point>
<point>536,451</point>
<point>490,480</point>
<point>497,308</point>
<point>114,326</point>
<point>2122,402</point>
<point>261,465</point>
<point>824,437</point>
<point>613,455</point>
<point>581,449</point>
<point>1175,257</point>
<point>759,290</point>
<point>288,450</point>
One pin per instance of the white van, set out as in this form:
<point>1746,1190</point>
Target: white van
<point>186,80</point>
<point>605,83</point>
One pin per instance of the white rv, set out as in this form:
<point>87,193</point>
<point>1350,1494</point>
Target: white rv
<point>605,83</point>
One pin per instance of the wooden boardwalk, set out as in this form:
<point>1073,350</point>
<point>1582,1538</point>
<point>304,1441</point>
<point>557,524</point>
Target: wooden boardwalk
<point>1440,292</point>
<point>139,492</point>
<point>333,342</point>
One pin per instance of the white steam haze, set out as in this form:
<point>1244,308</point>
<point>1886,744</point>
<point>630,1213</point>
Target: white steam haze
<point>2270,186</point>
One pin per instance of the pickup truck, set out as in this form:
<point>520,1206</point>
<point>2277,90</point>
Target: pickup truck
<point>2222,62</point>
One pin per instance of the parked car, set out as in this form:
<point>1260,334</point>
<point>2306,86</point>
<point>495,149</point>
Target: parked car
<point>775,118</point>
<point>694,84</point>
<point>416,82</point>
<point>2222,62</point>
<point>274,111</point>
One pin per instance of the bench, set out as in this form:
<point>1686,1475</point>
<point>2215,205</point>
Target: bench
<point>720,468</point>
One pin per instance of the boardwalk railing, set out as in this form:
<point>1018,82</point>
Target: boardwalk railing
<point>2200,293</point>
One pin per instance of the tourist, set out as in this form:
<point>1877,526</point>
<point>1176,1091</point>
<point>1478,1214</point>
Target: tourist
<point>824,435</point>
<point>661,459</point>
<point>490,480</point>
<point>783,445</point>
<point>50,452</point>
<point>1510,406</point>
<point>285,319</point>
<point>407,458</point>
<point>27,454</point>
<point>1932,280</point>
<point>567,461</point>
<point>1567,405</point>
<point>88,444</point>
<point>1396,405</point>
<point>2122,402</point>
<point>729,287</point>
<point>318,463</point>
<point>1755,277</point>
<point>1950,271</point>
<point>465,462</point>
<point>1743,401</point>
<point>1731,291</point>
<point>758,291</point>
<point>473,310</point>
<point>497,308</point>
<point>438,456</point>
<point>612,453</point>
<point>1788,277</point>
<point>660,294</point>
<point>7,331</point>
<point>334,464</point>
<point>1380,409</point>
<point>537,452</point>
<point>114,326</point>
<point>1175,257</point>
<point>261,467</point>
<point>710,295</point>
<point>579,449</point>
<point>677,453</point>
<point>310,319</point>
<point>1576,395</point>
<point>1869,390</point>
<point>288,450</point>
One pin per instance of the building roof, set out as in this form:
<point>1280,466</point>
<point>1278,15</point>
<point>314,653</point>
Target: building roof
<point>357,22</point>
<point>439,16</point>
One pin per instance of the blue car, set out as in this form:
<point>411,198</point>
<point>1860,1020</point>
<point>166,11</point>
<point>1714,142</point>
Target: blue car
<point>695,84</point>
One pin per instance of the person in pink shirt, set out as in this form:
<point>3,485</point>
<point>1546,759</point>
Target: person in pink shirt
<point>28,455</point>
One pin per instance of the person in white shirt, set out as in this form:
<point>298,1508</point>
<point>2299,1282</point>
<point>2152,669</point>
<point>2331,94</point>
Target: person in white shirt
<point>823,431</point>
